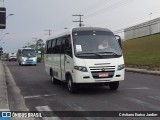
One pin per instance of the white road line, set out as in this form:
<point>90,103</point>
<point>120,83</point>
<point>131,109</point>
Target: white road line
<point>146,104</point>
<point>155,97</point>
<point>140,88</point>
<point>36,96</point>
<point>46,108</point>
<point>79,108</point>
<point>76,107</point>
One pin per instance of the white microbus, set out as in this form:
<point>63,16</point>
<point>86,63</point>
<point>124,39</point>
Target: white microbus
<point>27,56</point>
<point>86,55</point>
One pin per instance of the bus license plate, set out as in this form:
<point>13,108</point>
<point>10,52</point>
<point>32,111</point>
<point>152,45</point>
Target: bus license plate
<point>103,74</point>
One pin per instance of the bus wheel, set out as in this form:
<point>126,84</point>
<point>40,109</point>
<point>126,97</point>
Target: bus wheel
<point>54,81</point>
<point>114,85</point>
<point>71,86</point>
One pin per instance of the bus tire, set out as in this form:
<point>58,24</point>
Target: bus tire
<point>53,80</point>
<point>72,87</point>
<point>114,85</point>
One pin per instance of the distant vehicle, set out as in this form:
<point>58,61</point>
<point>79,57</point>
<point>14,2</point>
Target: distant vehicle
<point>74,57</point>
<point>4,57</point>
<point>27,56</point>
<point>12,56</point>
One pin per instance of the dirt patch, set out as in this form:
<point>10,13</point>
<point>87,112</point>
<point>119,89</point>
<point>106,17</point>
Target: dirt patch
<point>148,67</point>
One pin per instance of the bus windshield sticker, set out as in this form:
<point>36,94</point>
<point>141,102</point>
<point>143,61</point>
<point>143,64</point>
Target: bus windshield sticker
<point>78,48</point>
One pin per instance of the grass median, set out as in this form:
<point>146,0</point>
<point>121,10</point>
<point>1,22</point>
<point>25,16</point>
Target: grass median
<point>143,52</point>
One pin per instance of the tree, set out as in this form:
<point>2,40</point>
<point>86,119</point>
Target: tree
<point>39,44</point>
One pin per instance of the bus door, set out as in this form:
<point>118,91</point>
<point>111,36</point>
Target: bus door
<point>66,57</point>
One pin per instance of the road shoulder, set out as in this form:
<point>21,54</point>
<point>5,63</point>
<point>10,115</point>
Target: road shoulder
<point>16,100</point>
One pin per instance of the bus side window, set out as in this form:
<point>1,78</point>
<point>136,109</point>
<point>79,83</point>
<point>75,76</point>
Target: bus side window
<point>68,46</point>
<point>58,46</point>
<point>46,47</point>
<point>63,45</point>
<point>49,47</point>
<point>53,46</point>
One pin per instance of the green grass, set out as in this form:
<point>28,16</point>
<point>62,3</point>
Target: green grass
<point>143,52</point>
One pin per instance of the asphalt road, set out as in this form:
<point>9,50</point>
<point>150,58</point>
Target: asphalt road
<point>138,92</point>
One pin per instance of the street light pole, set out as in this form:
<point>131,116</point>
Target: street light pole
<point>9,15</point>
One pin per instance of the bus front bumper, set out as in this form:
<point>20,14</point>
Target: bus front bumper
<point>90,78</point>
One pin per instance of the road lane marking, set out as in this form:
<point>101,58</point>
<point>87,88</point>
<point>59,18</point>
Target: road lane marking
<point>36,96</point>
<point>155,97</point>
<point>46,108</point>
<point>140,88</point>
<point>145,104</point>
<point>79,108</point>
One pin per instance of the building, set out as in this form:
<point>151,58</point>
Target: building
<point>143,29</point>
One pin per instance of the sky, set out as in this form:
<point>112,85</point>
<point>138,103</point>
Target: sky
<point>32,18</point>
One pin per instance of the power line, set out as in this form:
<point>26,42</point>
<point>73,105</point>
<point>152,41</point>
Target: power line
<point>112,6</point>
<point>101,3</point>
<point>102,7</point>
<point>92,7</point>
<point>108,8</point>
<point>68,19</point>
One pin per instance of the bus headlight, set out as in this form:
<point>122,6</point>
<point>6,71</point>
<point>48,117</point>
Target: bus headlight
<point>81,68</point>
<point>120,67</point>
<point>23,59</point>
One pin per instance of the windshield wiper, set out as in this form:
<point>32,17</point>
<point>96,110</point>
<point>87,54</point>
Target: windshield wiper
<point>88,53</point>
<point>107,53</point>
<point>100,54</point>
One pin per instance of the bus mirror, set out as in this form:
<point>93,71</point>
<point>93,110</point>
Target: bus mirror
<point>119,40</point>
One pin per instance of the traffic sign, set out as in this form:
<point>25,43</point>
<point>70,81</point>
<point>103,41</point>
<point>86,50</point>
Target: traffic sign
<point>2,17</point>
<point>1,48</point>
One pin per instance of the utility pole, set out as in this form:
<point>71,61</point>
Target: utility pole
<point>80,20</point>
<point>36,39</point>
<point>49,32</point>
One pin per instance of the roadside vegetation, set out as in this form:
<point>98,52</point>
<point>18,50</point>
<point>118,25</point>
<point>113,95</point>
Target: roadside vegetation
<point>142,52</point>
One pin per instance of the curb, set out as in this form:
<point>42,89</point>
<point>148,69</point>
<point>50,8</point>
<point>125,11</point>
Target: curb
<point>3,89</point>
<point>144,71</point>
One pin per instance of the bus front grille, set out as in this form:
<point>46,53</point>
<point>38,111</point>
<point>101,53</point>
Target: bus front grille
<point>99,72</point>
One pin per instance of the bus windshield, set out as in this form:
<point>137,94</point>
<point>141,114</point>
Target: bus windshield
<point>96,43</point>
<point>28,53</point>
